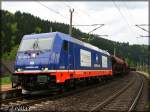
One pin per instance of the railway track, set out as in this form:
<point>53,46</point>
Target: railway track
<point>15,103</point>
<point>91,99</point>
<point>77,101</point>
<point>10,94</point>
<point>124,99</point>
<point>111,97</point>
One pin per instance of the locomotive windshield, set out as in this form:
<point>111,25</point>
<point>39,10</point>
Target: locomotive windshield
<point>36,44</point>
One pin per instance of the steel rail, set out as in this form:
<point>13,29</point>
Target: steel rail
<point>49,97</point>
<point>105,102</point>
<point>11,99</point>
<point>136,98</point>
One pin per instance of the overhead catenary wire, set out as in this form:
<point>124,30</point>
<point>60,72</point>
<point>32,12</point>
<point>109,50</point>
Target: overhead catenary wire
<point>144,36</point>
<point>89,25</point>
<point>148,43</point>
<point>57,12</point>
<point>81,25</point>
<point>77,9</point>
<point>85,13</point>
<point>124,18</point>
<point>144,25</point>
<point>51,9</point>
<point>131,16</point>
<point>139,26</point>
<point>132,20</point>
<point>69,7</point>
<point>96,28</point>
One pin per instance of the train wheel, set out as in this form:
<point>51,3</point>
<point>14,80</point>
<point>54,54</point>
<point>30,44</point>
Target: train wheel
<point>74,83</point>
<point>70,84</point>
<point>87,81</point>
<point>96,80</point>
<point>99,79</point>
<point>61,88</point>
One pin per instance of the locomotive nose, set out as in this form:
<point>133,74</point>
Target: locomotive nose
<point>33,60</point>
<point>33,54</point>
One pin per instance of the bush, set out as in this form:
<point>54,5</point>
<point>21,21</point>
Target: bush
<point>5,80</point>
<point>12,54</point>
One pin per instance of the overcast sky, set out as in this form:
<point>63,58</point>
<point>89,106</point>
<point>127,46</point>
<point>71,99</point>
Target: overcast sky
<point>119,17</point>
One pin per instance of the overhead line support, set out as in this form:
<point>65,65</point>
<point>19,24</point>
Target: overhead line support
<point>70,27</point>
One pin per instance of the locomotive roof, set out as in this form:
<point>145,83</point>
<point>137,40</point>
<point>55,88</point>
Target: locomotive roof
<point>65,37</point>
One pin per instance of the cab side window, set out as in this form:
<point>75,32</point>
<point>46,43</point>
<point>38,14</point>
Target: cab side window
<point>65,45</point>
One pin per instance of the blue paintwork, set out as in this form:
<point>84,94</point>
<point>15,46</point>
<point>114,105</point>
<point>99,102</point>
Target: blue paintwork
<point>57,57</point>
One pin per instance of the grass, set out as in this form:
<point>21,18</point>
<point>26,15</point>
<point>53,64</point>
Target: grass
<point>148,104</point>
<point>5,80</point>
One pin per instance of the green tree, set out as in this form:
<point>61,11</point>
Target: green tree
<point>14,26</point>
<point>38,29</point>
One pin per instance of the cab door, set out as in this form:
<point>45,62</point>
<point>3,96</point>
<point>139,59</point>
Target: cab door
<point>67,55</point>
<point>64,56</point>
<point>71,55</point>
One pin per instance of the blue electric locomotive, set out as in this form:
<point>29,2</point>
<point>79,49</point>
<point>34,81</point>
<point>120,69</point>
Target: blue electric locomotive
<point>48,59</point>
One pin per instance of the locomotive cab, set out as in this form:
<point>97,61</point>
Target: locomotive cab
<point>34,52</point>
<point>35,58</point>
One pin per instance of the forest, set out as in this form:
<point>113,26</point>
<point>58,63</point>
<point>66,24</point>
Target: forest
<point>14,26</point>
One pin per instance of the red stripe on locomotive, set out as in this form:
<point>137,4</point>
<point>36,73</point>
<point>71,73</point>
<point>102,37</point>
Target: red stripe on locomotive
<point>62,76</point>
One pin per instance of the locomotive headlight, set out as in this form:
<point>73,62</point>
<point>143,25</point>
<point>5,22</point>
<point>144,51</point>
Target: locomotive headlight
<point>45,69</point>
<point>19,69</point>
